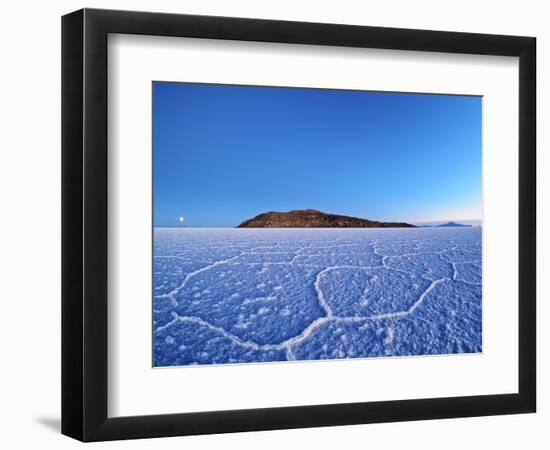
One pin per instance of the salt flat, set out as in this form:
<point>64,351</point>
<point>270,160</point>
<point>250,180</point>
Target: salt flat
<point>224,295</point>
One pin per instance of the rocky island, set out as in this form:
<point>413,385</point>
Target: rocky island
<point>312,218</point>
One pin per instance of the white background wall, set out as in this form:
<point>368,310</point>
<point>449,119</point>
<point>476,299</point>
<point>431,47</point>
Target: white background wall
<point>30,223</point>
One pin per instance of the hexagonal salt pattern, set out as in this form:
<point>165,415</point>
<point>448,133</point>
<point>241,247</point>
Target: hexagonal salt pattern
<point>255,295</point>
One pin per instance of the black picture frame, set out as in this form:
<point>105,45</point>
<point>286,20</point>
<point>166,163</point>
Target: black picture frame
<point>84,224</point>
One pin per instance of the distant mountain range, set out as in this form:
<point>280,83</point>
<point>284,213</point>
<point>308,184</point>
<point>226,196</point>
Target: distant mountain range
<point>453,224</point>
<point>312,218</point>
<point>446,225</point>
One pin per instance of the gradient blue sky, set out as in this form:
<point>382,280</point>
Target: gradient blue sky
<point>223,154</point>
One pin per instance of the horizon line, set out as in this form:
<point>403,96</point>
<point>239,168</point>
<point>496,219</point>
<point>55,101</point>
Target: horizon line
<point>411,222</point>
<point>459,222</point>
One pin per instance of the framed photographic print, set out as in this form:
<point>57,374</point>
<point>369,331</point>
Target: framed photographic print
<point>273,224</point>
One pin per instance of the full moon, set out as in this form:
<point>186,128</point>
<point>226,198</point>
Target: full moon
<point>181,219</point>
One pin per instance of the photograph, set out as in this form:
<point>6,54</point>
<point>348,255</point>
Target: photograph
<point>296,224</point>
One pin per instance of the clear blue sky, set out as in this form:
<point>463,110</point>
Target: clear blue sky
<point>223,154</point>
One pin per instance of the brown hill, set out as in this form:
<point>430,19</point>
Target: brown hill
<point>311,218</point>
